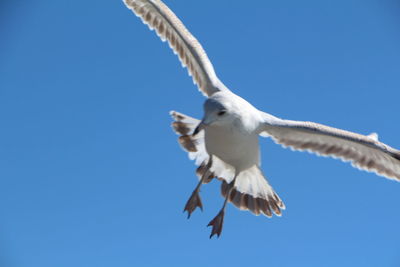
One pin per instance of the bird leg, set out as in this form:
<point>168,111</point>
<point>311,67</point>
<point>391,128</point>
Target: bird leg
<point>195,200</point>
<point>218,220</point>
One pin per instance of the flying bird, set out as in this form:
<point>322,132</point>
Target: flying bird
<point>225,142</point>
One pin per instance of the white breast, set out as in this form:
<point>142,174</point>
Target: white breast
<point>236,148</point>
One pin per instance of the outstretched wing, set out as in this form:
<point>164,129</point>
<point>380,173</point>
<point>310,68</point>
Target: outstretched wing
<point>158,16</point>
<point>364,152</point>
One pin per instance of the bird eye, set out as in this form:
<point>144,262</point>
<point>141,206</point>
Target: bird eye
<point>221,113</point>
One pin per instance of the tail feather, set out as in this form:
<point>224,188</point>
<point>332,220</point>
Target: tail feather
<point>252,192</point>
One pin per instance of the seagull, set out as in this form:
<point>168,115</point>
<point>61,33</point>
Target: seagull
<point>225,143</point>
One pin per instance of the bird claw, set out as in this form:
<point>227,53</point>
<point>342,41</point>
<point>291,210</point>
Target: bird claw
<point>193,202</point>
<point>217,224</point>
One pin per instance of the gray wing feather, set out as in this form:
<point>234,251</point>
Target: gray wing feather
<point>364,152</point>
<point>158,16</point>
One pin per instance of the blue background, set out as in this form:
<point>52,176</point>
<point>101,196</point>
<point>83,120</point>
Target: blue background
<point>91,173</point>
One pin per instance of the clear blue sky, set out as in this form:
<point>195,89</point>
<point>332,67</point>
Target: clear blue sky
<point>91,173</point>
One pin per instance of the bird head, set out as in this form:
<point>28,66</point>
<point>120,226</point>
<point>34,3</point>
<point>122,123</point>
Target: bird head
<point>216,113</point>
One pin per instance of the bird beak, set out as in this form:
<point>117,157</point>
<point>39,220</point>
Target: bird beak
<point>198,128</point>
<point>206,121</point>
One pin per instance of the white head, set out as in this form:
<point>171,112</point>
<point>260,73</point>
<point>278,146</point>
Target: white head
<point>217,112</point>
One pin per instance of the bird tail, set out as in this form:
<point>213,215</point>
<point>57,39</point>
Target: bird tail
<point>251,191</point>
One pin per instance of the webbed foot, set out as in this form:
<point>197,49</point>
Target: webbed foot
<point>217,224</point>
<point>193,202</point>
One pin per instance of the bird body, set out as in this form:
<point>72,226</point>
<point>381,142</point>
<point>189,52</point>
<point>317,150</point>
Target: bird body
<point>225,143</point>
<point>237,148</point>
<point>234,136</point>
